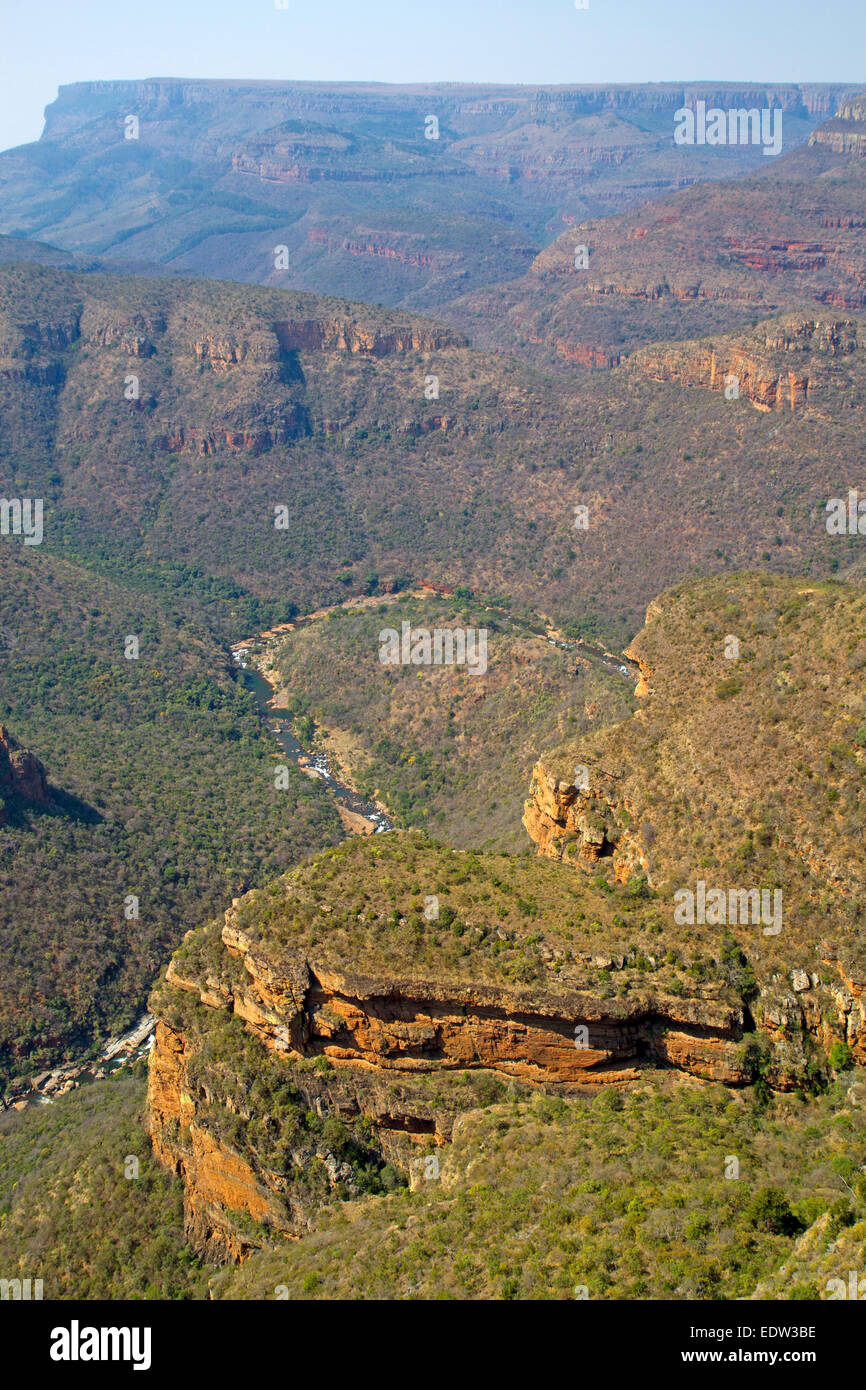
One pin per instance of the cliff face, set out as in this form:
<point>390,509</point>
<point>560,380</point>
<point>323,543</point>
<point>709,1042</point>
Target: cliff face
<point>703,785</point>
<point>846,133</point>
<point>423,1025</point>
<point>792,364</point>
<point>344,334</point>
<point>582,822</point>
<point>192,375</point>
<point>21,774</point>
<point>218,1178</point>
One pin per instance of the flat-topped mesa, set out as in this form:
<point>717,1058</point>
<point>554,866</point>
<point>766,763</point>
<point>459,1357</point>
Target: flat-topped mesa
<point>715,257</point>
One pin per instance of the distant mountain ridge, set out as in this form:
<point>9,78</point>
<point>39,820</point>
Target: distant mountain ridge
<point>404,196</point>
<point>711,258</point>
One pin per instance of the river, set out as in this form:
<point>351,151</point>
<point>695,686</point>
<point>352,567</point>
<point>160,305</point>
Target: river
<point>280,723</point>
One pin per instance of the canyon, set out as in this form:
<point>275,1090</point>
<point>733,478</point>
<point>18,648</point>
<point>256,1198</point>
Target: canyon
<point>335,980</point>
<point>220,172</point>
<point>319,406</point>
<point>471,1055</point>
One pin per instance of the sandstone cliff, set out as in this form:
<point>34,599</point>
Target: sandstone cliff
<point>796,363</point>
<point>196,372</point>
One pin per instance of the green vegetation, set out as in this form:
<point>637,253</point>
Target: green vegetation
<point>445,750</point>
<point>625,1196</point>
<point>163,786</point>
<point>85,1207</point>
<point>523,922</point>
<point>765,791</point>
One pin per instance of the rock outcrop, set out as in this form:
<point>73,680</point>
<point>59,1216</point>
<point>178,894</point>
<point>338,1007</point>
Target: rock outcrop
<point>274,1003</point>
<point>22,775</point>
<point>846,132</point>
<point>710,748</point>
<point>789,365</point>
<point>581,821</point>
<point>421,1025</point>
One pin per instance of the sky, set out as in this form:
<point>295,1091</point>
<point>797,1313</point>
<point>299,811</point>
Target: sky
<point>44,43</point>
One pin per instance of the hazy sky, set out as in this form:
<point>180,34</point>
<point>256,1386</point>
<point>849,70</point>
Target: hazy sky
<point>47,42</point>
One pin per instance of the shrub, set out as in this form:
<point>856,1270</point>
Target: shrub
<point>841,1056</point>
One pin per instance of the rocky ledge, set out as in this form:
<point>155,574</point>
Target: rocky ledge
<point>333,993</point>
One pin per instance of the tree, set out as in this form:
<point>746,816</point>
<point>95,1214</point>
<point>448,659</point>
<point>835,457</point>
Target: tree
<point>769,1210</point>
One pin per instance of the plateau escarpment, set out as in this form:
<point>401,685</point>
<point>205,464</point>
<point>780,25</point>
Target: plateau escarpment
<point>170,360</point>
<point>344,175</point>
